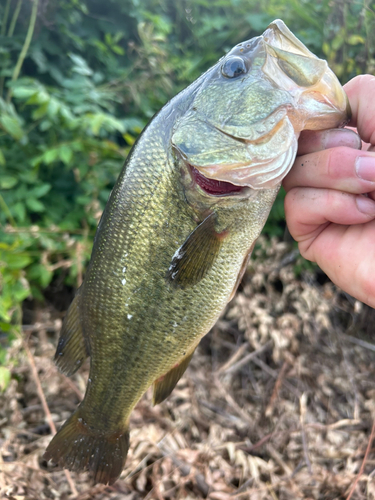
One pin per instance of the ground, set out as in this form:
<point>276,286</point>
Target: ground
<point>278,402</point>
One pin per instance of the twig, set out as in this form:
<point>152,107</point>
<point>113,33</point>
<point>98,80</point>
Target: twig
<point>271,490</point>
<point>38,230</point>
<point>46,410</point>
<point>279,459</point>
<point>25,47</point>
<point>14,18</point>
<point>313,425</point>
<point>274,374</point>
<point>359,342</point>
<point>232,360</point>
<point>3,30</point>
<point>259,443</point>
<point>185,469</point>
<point>74,388</point>
<point>302,405</point>
<point>237,366</point>
<point>62,263</point>
<point>242,413</point>
<point>5,207</point>
<point>276,389</point>
<point>5,18</point>
<point>37,327</point>
<point>369,444</point>
<point>242,488</point>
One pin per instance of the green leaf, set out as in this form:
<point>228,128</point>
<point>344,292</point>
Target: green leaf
<point>7,181</point>
<point>41,111</point>
<point>355,39</point>
<point>15,260</point>
<point>118,50</point>
<point>12,126</point>
<point>5,377</point>
<point>34,205</point>
<point>41,274</point>
<point>39,191</point>
<point>50,156</point>
<point>80,65</point>
<point>129,139</point>
<point>23,92</point>
<point>40,97</point>
<point>2,158</point>
<point>66,154</point>
<point>19,211</point>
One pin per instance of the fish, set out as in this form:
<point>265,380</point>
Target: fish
<point>178,230</point>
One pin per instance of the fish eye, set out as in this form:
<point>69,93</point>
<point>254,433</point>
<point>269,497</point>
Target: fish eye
<point>233,67</point>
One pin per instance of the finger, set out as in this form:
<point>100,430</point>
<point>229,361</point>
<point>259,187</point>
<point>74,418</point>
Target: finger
<point>341,168</point>
<point>347,255</point>
<point>308,210</point>
<point>311,141</point>
<point>360,91</point>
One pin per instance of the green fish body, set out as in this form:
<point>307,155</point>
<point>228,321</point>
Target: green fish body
<point>178,230</point>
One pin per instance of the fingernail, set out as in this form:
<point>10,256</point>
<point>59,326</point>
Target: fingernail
<point>365,205</point>
<point>342,137</point>
<point>365,168</point>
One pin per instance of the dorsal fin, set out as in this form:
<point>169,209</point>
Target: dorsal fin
<point>165,384</point>
<point>196,255</point>
<point>72,347</point>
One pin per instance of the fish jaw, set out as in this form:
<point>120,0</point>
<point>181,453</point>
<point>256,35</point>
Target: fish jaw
<point>244,129</point>
<point>321,100</point>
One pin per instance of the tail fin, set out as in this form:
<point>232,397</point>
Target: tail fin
<point>79,448</point>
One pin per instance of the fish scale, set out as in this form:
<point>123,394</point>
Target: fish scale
<point>176,234</point>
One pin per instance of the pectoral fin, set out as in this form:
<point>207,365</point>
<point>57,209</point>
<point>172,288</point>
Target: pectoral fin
<point>165,384</point>
<point>197,254</point>
<point>72,347</point>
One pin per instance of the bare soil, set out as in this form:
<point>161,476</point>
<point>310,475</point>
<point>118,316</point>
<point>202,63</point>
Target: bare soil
<point>278,403</point>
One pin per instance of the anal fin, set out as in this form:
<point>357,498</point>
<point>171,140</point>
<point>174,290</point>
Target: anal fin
<point>196,255</point>
<point>165,384</point>
<point>72,347</point>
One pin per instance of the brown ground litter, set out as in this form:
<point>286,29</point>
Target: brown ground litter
<point>278,403</point>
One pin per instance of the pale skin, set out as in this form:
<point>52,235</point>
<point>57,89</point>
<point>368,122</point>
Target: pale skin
<point>330,201</point>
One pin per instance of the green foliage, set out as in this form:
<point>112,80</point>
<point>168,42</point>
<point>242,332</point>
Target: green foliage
<point>79,81</point>
<point>4,378</point>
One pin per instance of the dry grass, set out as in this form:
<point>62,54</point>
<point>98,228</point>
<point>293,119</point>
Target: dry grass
<point>278,404</point>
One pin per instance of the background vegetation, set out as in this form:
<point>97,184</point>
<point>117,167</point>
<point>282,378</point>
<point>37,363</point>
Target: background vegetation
<point>79,79</point>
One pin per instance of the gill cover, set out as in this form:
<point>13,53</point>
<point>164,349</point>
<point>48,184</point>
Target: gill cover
<point>245,119</point>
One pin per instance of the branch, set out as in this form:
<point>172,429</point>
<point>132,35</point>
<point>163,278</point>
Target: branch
<point>14,18</point>
<point>5,18</point>
<point>369,444</point>
<point>46,410</point>
<point>25,47</point>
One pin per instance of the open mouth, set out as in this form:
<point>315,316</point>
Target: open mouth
<point>213,187</point>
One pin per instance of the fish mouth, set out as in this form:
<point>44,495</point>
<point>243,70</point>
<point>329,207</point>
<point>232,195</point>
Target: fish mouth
<point>213,187</point>
<point>226,161</point>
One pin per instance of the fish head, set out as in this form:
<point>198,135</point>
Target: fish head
<point>241,127</point>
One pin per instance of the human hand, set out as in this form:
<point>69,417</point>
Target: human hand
<point>329,206</point>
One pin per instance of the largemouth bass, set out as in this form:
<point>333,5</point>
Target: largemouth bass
<point>177,232</point>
